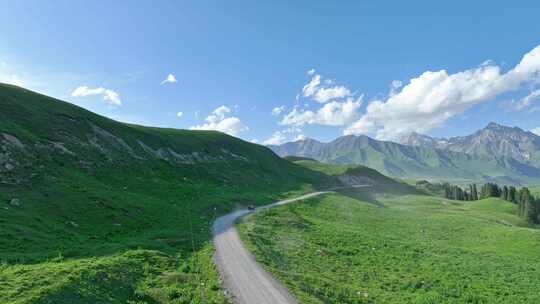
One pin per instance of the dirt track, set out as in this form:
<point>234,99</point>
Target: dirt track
<point>243,277</point>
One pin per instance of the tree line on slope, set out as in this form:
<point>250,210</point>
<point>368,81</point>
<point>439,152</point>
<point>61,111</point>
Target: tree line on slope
<point>528,204</point>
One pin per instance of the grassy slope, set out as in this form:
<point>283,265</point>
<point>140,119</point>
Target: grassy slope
<point>416,249</point>
<point>535,190</point>
<point>106,220</point>
<point>330,169</point>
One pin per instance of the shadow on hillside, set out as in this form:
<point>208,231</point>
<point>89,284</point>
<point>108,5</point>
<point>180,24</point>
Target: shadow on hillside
<point>364,194</point>
<point>375,189</point>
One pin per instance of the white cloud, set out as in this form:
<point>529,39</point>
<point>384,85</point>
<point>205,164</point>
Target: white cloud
<point>300,137</point>
<point>524,102</point>
<point>179,114</point>
<point>339,106</point>
<point>312,86</point>
<point>282,136</point>
<point>277,138</point>
<point>218,114</point>
<point>335,113</point>
<point>169,79</point>
<point>254,140</point>
<point>277,110</point>
<point>324,92</point>
<point>218,120</point>
<point>311,72</point>
<point>396,84</point>
<point>430,99</point>
<point>109,96</point>
<point>536,131</point>
<point>12,79</point>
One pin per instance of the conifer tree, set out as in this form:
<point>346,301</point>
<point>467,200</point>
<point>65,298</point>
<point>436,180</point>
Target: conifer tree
<point>512,194</point>
<point>474,192</point>
<point>504,194</point>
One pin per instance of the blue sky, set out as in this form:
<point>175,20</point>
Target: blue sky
<point>324,69</point>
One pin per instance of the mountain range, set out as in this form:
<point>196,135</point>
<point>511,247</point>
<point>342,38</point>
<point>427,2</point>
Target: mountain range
<point>494,153</point>
<point>495,139</point>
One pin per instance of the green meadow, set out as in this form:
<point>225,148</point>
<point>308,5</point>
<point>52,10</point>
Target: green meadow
<point>404,249</point>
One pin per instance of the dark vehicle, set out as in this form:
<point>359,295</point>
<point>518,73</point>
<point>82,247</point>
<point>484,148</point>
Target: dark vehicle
<point>251,207</point>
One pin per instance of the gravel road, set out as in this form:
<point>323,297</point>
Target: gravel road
<point>245,280</point>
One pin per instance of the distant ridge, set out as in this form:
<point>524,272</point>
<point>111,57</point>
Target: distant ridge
<point>495,140</point>
<point>494,153</point>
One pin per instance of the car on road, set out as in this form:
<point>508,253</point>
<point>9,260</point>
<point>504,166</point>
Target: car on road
<point>251,208</point>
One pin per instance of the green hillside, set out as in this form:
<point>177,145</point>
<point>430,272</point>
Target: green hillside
<point>326,168</point>
<point>535,190</point>
<point>407,249</point>
<point>355,175</point>
<point>96,211</point>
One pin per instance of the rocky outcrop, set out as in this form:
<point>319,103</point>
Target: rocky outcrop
<point>170,155</point>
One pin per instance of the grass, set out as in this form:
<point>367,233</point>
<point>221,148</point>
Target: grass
<point>535,190</point>
<point>414,249</point>
<point>330,169</point>
<point>108,214</point>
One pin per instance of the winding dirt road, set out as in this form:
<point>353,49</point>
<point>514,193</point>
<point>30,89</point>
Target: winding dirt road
<point>245,280</point>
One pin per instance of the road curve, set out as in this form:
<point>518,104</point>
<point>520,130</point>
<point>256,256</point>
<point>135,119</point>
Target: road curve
<point>244,279</point>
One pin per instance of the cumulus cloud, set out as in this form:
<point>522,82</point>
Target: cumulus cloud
<point>219,120</point>
<point>293,133</point>
<point>108,95</point>
<point>335,113</point>
<point>277,138</point>
<point>169,79</point>
<point>430,99</point>
<point>524,102</point>
<point>179,114</point>
<point>324,92</point>
<point>339,105</point>
<point>396,84</point>
<point>300,137</point>
<point>278,110</point>
<point>536,131</point>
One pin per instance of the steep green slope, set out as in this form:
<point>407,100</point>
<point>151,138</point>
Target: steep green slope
<point>96,211</point>
<point>414,161</point>
<point>413,249</point>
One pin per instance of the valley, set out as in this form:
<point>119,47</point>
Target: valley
<point>269,152</point>
<point>97,211</point>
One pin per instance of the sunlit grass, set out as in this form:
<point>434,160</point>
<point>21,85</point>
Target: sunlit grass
<point>416,249</point>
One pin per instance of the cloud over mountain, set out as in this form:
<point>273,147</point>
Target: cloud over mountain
<point>109,96</point>
<point>430,99</point>
<point>219,120</point>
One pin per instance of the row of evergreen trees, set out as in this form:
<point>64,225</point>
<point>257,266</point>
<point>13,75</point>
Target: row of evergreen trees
<point>457,193</point>
<point>528,205</point>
